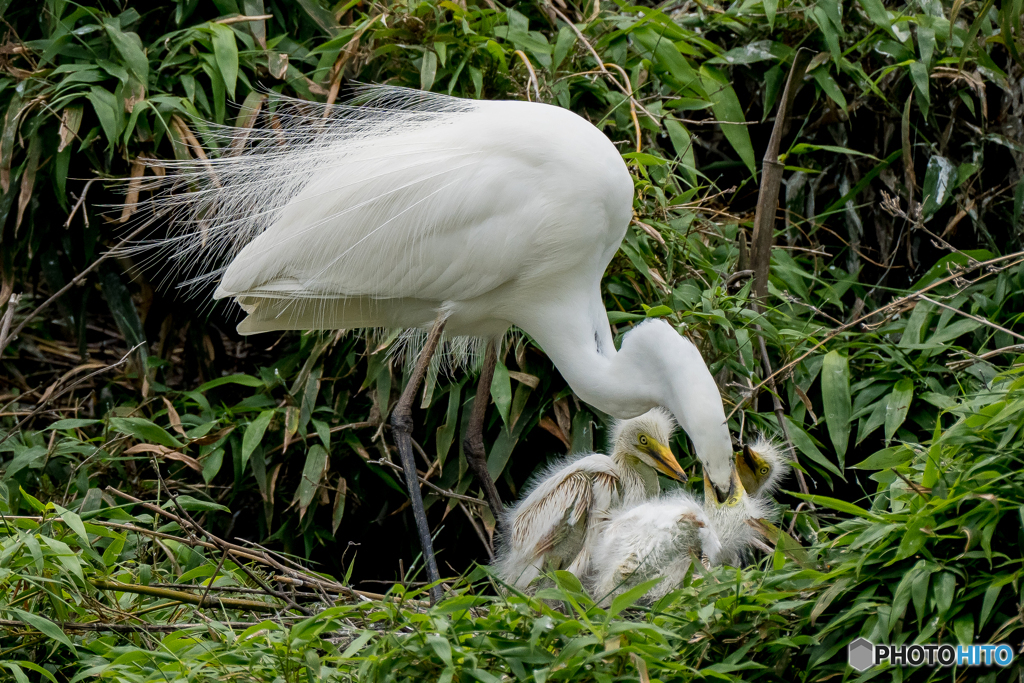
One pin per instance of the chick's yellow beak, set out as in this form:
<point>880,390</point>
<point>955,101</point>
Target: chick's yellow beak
<point>749,465</point>
<point>665,462</point>
<point>731,498</point>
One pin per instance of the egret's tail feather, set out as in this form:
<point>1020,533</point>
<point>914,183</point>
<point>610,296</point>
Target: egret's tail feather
<point>217,203</point>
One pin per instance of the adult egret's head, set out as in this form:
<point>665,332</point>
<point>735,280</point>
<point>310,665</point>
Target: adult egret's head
<point>646,438</point>
<point>736,494</point>
<point>761,466</point>
<point>671,368</point>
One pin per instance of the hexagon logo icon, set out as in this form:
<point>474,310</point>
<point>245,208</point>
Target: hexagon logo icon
<point>862,654</point>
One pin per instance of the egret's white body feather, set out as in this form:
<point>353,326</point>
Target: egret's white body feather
<point>664,537</point>
<point>385,215</point>
<point>655,538</point>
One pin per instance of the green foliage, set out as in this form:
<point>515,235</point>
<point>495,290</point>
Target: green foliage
<point>896,328</point>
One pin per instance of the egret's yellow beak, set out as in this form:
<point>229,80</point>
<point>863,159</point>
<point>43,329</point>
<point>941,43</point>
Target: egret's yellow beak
<point>731,498</point>
<point>665,462</point>
<point>752,468</point>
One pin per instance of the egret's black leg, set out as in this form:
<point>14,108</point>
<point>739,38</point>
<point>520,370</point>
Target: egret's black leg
<point>473,443</point>
<point>401,423</point>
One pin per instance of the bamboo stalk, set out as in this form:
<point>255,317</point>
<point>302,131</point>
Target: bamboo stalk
<point>180,596</point>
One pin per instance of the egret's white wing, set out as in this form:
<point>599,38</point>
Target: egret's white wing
<point>553,527</point>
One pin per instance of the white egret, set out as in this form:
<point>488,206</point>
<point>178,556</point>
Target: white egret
<point>562,513</point>
<point>666,536</point>
<point>421,211</point>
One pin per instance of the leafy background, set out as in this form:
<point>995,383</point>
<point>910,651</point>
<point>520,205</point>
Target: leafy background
<point>891,331</point>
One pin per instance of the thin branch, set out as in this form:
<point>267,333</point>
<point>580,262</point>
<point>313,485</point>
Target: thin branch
<point>75,280</point>
<point>479,532</point>
<point>972,317</point>
<point>600,63</point>
<point>830,334</point>
<point>444,492</point>
<point>45,401</point>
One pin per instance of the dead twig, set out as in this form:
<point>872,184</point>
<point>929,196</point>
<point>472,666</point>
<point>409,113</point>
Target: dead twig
<point>771,180</point>
<point>78,204</point>
<point>51,397</point>
<point>533,75</point>
<point>5,326</point>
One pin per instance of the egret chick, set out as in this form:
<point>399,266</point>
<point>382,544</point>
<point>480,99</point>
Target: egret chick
<point>562,515</point>
<point>761,466</point>
<point>665,537</point>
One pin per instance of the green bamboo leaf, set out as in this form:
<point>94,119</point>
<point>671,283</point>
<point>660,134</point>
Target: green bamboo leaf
<point>119,300</point>
<point>441,647</point>
<point>109,113</point>
<point>428,70</point>
<point>829,86</point>
<point>44,626</point>
<point>664,53</point>
<point>31,666</point>
<point>839,506</point>
<point>563,43</point>
<point>446,432</point>
<point>225,51</point>
<point>897,407</point>
<point>194,504</point>
<point>129,45</point>
<point>803,442</point>
<point>963,627</point>
<point>835,394</point>
<point>74,523</point>
<point>244,380</point>
<point>338,512</point>
<point>726,106</point>
<point>939,183</point>
<point>630,597</point>
<point>65,555</point>
<point>501,391</point>
<point>254,434</point>
<point>312,474</point>
<point>71,423</point>
<point>144,430</point>
<point>878,15</point>
<point>885,458</point>
<point>212,464</point>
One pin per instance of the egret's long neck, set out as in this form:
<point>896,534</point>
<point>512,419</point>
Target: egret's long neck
<point>656,367</point>
<point>579,342</point>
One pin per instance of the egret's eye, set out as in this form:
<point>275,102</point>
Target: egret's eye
<point>764,470</point>
<point>643,439</point>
